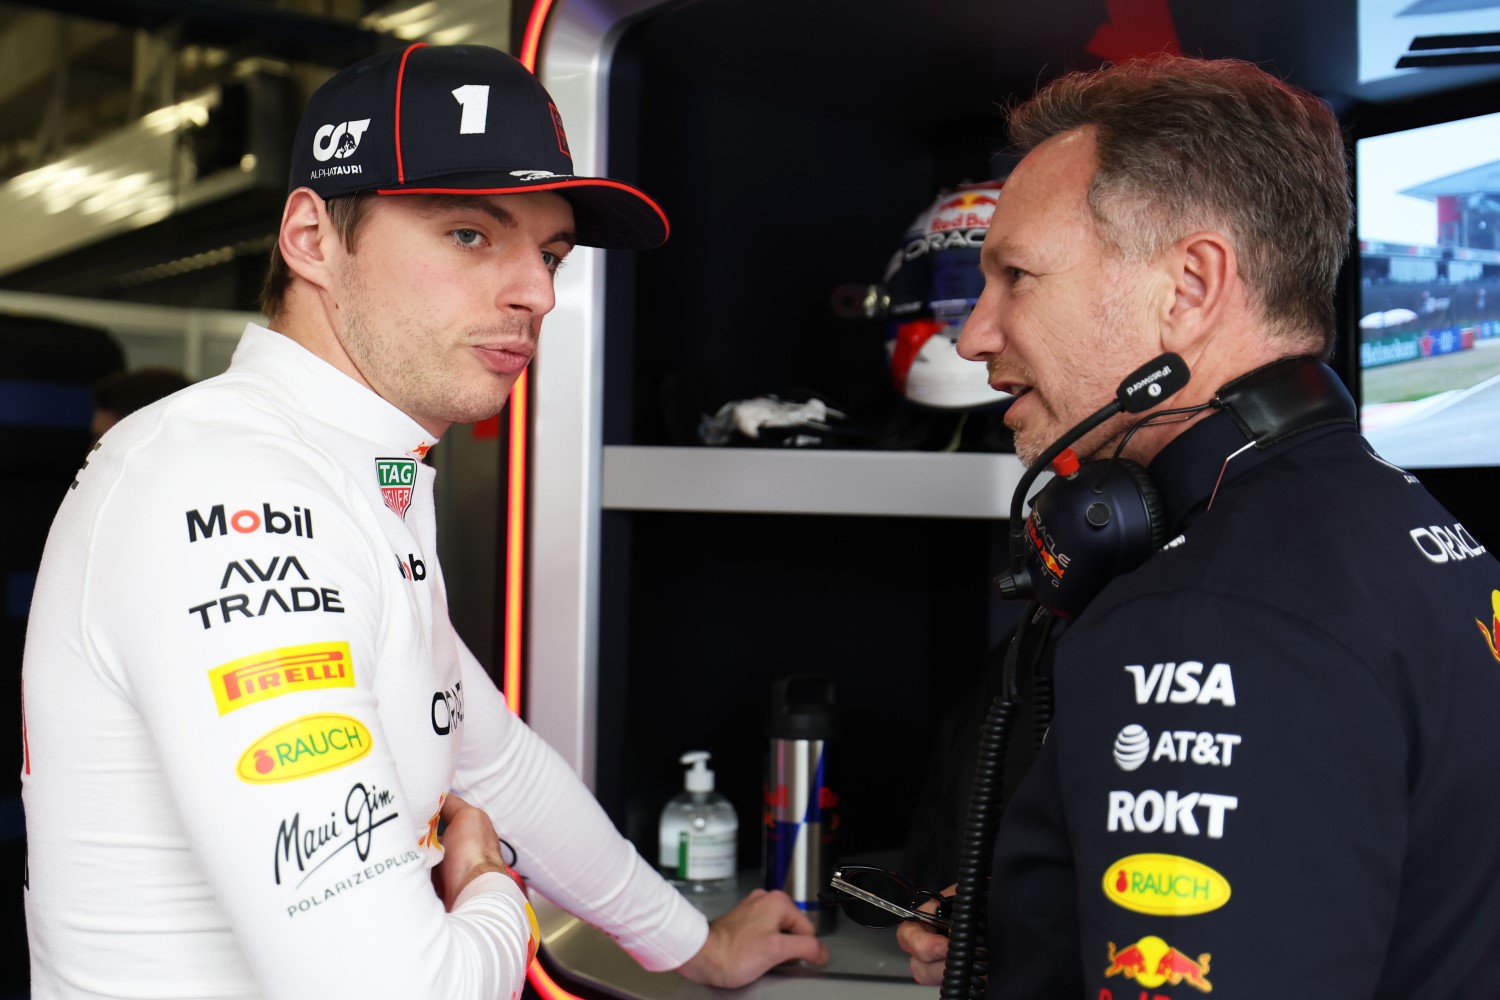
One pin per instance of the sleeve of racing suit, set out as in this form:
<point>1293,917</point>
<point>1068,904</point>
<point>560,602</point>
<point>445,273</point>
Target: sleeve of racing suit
<point>565,844</point>
<point>266,632</point>
<point>1234,782</point>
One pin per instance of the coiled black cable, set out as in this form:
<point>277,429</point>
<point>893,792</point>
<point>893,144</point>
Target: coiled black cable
<point>967,967</point>
<point>966,972</point>
<point>1041,706</point>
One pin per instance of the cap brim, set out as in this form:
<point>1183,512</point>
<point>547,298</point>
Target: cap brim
<point>606,213</point>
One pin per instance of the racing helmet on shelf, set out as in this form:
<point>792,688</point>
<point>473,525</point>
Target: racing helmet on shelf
<point>932,283</point>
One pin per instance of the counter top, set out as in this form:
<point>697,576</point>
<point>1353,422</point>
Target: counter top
<point>863,961</point>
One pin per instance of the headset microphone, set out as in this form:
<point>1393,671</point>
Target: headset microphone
<point>1080,516</point>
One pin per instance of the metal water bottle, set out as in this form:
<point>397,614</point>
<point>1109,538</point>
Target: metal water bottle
<point>801,808</point>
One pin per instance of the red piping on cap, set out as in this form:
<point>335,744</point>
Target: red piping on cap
<point>400,80</point>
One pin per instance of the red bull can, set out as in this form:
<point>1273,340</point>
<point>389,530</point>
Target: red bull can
<point>801,809</point>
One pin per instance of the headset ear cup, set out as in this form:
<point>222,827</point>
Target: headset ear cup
<point>1156,511</point>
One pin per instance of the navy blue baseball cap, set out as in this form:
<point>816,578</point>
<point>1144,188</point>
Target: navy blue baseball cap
<point>458,119</point>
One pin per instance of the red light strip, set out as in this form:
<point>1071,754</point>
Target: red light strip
<point>515,522</point>
<point>515,540</point>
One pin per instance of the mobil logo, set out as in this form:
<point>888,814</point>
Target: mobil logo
<point>249,521</point>
<point>1165,885</point>
<point>306,746</point>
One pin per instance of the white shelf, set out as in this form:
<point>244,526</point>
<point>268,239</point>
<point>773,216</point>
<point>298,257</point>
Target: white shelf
<point>772,481</point>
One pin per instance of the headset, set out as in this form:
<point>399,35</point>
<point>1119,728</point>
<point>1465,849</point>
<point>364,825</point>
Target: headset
<point>1096,520</point>
<point>1093,522</point>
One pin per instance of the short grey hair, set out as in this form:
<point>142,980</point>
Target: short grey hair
<point>1186,144</point>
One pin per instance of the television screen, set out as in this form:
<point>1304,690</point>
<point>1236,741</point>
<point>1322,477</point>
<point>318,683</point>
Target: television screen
<point>1428,292</point>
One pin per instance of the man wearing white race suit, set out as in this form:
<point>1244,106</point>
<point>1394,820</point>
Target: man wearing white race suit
<point>247,712</point>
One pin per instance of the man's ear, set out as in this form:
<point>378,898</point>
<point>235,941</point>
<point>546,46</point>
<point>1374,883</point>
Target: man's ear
<point>1204,274</point>
<point>308,242</point>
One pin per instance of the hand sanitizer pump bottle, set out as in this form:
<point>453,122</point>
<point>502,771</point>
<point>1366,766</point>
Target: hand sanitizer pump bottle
<point>699,832</point>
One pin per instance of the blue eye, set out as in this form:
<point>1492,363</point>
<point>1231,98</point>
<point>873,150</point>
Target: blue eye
<point>467,237</point>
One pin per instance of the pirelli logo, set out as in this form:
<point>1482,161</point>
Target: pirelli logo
<point>275,672</point>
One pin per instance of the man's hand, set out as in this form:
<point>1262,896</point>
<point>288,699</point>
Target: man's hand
<point>928,949</point>
<point>470,848</point>
<point>764,930</point>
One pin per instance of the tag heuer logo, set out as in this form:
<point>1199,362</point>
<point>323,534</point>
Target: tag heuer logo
<point>396,476</point>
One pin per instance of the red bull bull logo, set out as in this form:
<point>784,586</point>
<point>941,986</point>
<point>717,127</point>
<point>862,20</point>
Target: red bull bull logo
<point>1152,962</point>
<point>1491,632</point>
<point>1054,562</point>
<point>969,199</point>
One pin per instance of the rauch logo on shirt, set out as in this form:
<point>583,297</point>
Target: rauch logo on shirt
<point>310,745</point>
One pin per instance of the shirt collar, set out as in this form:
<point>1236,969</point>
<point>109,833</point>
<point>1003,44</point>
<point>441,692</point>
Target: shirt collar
<point>1206,458</point>
<point>312,385</point>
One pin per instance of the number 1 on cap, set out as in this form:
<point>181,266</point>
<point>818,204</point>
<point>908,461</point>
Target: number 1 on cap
<point>474,98</point>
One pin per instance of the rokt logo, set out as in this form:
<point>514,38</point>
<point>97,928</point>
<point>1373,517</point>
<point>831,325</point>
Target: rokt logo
<point>1165,885</point>
<point>1171,812</point>
<point>275,672</point>
<point>309,745</point>
<point>339,140</point>
<point>248,522</point>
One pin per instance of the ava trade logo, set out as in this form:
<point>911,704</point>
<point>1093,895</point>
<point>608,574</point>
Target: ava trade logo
<point>396,477</point>
<point>1152,962</point>
<point>275,672</point>
<point>1165,885</point>
<point>1492,632</point>
<point>306,746</point>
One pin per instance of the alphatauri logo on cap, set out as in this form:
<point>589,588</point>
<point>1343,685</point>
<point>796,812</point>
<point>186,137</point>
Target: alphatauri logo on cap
<point>339,140</point>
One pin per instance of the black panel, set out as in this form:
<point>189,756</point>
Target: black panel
<point>718,605</point>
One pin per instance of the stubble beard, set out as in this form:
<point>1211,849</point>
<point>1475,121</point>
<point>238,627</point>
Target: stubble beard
<point>1087,390</point>
<point>391,357</point>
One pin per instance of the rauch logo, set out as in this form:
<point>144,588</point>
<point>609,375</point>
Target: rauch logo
<point>276,672</point>
<point>1165,885</point>
<point>309,745</point>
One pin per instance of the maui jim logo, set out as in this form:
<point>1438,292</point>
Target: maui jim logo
<point>338,141</point>
<point>396,477</point>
